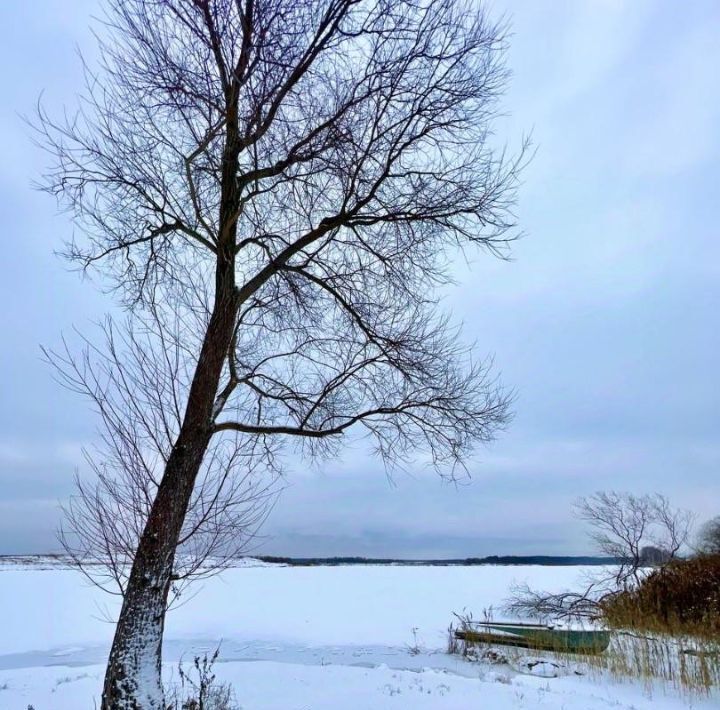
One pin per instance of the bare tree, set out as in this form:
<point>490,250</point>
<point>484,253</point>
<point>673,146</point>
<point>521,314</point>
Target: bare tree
<point>277,189</point>
<point>626,528</point>
<point>624,525</point>
<point>708,539</point>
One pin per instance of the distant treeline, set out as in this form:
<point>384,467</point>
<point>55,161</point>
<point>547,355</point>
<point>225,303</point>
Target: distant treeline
<point>548,560</point>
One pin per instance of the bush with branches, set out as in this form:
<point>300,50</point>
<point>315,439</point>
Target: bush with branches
<point>638,532</point>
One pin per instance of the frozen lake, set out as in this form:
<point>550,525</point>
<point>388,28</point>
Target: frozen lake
<point>299,637</point>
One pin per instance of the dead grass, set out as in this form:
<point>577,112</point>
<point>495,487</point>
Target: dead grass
<point>683,596</point>
<point>668,627</point>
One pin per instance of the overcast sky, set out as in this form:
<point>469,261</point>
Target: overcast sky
<point>605,322</point>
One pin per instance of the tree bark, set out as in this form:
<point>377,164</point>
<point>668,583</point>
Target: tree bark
<point>133,677</point>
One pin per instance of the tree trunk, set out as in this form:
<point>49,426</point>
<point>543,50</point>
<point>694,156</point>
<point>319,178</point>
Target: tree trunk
<point>133,679</point>
<point>133,676</point>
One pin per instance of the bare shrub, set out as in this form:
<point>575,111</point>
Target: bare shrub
<point>199,689</point>
<point>635,531</point>
<point>682,595</point>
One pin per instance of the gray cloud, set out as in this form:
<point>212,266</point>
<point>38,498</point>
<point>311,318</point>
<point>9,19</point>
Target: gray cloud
<point>605,322</point>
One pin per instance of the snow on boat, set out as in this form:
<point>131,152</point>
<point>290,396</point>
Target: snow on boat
<point>537,636</point>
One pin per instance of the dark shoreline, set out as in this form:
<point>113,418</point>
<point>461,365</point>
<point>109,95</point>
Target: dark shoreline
<point>545,560</point>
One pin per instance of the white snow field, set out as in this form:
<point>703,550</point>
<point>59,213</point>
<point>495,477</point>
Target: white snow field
<point>301,638</point>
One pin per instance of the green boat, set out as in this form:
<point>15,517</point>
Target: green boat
<point>536,636</point>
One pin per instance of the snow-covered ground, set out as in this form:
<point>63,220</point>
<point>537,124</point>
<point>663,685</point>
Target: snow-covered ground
<point>304,638</point>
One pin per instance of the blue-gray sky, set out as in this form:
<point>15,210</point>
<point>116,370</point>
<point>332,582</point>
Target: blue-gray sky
<point>605,322</point>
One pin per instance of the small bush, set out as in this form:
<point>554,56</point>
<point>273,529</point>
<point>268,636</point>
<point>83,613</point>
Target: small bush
<point>198,688</point>
<point>682,596</point>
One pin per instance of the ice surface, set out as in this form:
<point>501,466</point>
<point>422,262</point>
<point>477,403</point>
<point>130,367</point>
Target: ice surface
<point>302,637</point>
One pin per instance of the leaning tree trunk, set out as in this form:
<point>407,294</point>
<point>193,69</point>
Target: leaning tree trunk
<point>133,676</point>
<point>133,679</point>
